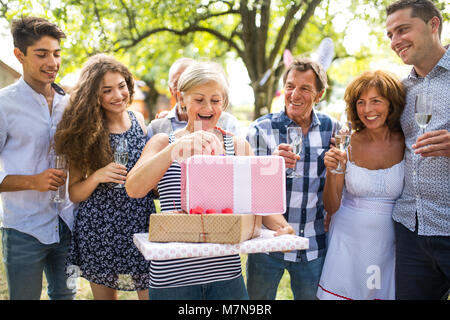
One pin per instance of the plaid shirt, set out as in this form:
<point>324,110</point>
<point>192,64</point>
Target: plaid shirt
<point>305,212</point>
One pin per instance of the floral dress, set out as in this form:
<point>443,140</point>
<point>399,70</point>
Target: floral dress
<point>102,248</point>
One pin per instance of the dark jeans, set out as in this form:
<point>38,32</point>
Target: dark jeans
<point>25,260</point>
<point>264,273</point>
<point>422,266</point>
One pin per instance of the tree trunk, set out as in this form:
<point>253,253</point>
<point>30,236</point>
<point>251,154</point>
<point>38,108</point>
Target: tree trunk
<point>264,96</point>
<point>151,99</point>
<point>261,103</point>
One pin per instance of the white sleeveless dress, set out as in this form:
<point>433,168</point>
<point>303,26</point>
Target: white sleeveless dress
<point>360,258</point>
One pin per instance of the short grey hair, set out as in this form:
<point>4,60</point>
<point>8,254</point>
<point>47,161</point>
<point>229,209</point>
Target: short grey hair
<point>305,64</point>
<point>200,73</point>
<point>181,63</point>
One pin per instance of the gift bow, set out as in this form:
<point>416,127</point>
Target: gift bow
<point>200,210</point>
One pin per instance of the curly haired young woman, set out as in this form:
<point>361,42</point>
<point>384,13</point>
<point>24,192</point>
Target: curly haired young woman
<point>96,118</point>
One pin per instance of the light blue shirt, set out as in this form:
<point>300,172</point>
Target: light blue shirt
<point>26,133</point>
<point>427,182</point>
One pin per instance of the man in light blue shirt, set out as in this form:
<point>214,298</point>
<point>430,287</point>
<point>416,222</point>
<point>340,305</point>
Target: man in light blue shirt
<point>176,118</point>
<point>422,213</point>
<point>36,233</point>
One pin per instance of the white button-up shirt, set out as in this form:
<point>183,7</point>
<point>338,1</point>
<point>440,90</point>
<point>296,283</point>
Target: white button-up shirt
<point>26,133</point>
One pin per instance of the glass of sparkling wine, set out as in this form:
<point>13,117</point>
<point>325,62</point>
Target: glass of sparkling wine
<point>295,139</point>
<point>60,163</point>
<point>423,111</point>
<point>342,139</point>
<point>121,155</point>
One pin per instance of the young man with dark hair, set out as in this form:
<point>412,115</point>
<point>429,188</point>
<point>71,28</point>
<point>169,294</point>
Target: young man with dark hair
<point>422,213</point>
<point>36,232</point>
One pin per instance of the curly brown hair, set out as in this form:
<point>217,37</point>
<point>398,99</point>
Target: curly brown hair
<point>82,134</point>
<point>388,86</point>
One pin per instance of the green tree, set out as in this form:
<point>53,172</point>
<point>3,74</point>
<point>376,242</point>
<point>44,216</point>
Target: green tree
<point>257,31</point>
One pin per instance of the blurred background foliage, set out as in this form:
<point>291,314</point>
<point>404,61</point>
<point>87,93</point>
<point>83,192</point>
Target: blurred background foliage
<point>148,35</point>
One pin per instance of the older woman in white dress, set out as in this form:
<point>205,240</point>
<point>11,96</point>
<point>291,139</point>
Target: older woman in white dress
<point>360,260</point>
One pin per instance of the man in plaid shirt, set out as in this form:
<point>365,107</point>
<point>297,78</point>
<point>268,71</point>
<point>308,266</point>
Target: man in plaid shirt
<point>304,84</point>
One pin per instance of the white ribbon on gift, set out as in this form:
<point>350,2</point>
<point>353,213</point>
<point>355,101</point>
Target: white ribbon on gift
<point>242,186</point>
<point>242,178</point>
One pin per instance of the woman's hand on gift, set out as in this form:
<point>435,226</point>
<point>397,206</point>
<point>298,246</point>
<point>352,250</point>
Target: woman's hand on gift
<point>198,142</point>
<point>290,158</point>
<point>287,229</point>
<point>277,223</point>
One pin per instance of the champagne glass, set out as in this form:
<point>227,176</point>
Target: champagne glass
<point>60,163</point>
<point>342,138</point>
<point>121,155</point>
<point>423,111</point>
<point>295,139</point>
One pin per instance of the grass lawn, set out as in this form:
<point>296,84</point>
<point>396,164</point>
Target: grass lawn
<point>84,290</point>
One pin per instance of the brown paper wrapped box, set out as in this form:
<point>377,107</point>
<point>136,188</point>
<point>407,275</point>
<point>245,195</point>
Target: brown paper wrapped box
<point>213,228</point>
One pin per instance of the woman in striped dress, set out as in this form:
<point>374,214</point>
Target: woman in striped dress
<point>203,93</point>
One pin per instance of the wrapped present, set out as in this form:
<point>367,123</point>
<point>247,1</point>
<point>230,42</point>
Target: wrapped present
<point>266,242</point>
<point>212,228</point>
<point>241,184</point>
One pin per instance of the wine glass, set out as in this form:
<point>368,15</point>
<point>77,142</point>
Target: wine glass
<point>342,139</point>
<point>295,139</point>
<point>60,163</point>
<point>423,111</point>
<point>121,155</point>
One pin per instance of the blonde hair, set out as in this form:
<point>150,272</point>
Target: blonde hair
<point>388,86</point>
<point>200,73</point>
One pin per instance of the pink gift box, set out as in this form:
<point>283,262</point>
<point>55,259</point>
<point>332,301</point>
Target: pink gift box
<point>245,184</point>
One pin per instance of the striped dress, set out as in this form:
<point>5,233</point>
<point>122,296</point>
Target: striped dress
<point>189,271</point>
